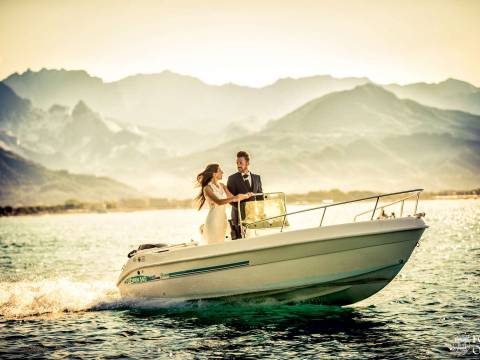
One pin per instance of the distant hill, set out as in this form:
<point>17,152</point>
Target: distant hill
<point>370,110</point>
<point>80,140</point>
<point>12,106</point>
<point>66,87</point>
<point>170,100</point>
<point>448,94</point>
<point>23,182</point>
<point>364,138</point>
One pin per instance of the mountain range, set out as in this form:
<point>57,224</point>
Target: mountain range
<point>345,133</point>
<point>22,182</point>
<point>448,94</point>
<point>364,138</point>
<point>168,100</point>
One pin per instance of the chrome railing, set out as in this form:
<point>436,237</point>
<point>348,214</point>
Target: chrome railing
<point>413,193</point>
<point>402,201</point>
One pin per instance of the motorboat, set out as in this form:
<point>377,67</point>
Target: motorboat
<point>337,264</point>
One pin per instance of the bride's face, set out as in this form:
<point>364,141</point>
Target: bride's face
<point>219,174</point>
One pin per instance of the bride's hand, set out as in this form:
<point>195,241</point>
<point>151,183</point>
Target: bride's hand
<point>241,197</point>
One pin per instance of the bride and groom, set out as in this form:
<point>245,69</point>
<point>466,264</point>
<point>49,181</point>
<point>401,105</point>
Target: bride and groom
<point>240,187</point>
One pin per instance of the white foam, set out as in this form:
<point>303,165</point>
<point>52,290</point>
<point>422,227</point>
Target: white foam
<point>46,297</point>
<point>49,296</point>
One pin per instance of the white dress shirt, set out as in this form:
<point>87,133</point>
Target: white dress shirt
<point>249,177</point>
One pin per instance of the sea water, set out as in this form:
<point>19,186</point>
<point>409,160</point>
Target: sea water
<point>58,296</point>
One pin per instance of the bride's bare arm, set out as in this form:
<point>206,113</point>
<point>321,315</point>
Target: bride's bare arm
<point>209,192</point>
<point>229,194</point>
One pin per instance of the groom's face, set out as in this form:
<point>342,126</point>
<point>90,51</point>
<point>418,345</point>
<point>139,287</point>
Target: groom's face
<point>242,164</point>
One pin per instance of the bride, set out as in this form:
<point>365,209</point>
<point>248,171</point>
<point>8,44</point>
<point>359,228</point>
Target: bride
<point>217,196</point>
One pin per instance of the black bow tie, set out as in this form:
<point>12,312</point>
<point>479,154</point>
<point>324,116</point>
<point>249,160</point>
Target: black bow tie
<point>247,181</point>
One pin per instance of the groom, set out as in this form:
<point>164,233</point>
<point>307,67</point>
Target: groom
<point>240,183</point>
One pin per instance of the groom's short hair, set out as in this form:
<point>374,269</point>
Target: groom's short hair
<point>243,154</point>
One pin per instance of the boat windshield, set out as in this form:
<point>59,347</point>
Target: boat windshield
<point>272,204</point>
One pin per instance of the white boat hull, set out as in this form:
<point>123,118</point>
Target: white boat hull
<point>340,264</point>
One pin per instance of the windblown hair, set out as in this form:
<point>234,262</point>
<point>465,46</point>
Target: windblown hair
<point>203,179</point>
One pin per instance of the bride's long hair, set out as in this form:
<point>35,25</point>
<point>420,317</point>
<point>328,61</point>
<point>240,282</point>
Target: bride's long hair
<point>203,179</point>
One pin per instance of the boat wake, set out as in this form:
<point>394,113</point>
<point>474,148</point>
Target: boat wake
<point>53,296</point>
<point>57,297</point>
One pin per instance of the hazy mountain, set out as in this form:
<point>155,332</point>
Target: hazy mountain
<point>448,94</point>
<point>169,100</point>
<point>362,138</point>
<point>80,141</point>
<point>23,182</point>
<point>67,87</point>
<point>371,111</point>
<point>299,164</point>
<point>365,138</point>
<point>11,106</point>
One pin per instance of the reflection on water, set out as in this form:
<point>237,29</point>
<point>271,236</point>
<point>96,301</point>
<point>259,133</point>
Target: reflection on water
<point>58,296</point>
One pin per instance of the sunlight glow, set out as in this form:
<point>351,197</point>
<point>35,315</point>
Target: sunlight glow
<point>248,43</point>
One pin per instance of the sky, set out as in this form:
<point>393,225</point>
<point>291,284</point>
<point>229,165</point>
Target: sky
<point>245,42</point>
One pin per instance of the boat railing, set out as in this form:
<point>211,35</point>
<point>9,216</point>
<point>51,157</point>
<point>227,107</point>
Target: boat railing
<point>402,201</point>
<point>413,193</point>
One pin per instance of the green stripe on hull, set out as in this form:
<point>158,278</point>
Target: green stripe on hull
<point>137,279</point>
<point>208,269</point>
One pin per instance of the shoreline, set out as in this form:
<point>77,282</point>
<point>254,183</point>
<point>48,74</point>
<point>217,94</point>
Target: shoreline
<point>100,208</point>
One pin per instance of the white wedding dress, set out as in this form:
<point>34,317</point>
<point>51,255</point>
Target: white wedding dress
<point>216,227</point>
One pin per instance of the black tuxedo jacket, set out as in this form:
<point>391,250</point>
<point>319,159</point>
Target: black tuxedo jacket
<point>236,185</point>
